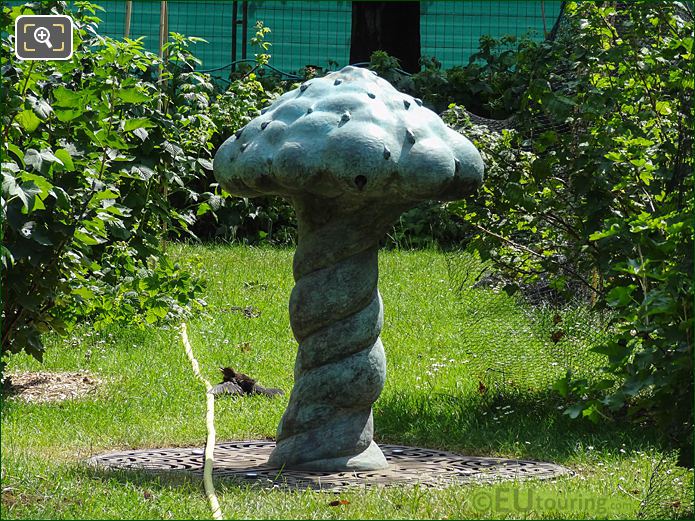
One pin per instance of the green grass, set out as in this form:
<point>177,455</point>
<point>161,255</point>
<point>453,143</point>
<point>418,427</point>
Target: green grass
<point>441,345</point>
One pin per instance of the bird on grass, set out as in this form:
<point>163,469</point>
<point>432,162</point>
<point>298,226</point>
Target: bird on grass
<point>241,384</point>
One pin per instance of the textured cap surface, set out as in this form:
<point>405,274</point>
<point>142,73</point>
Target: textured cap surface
<point>349,134</point>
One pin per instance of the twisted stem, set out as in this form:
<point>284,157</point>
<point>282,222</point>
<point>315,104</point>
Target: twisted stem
<point>336,315</point>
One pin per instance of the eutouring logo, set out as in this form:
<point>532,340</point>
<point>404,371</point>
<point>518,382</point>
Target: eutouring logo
<point>43,37</point>
<point>508,500</point>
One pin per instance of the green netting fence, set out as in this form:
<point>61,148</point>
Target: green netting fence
<point>318,32</point>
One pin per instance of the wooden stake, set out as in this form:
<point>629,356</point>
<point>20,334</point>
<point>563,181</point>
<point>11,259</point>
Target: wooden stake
<point>545,29</point>
<point>128,15</point>
<point>163,27</point>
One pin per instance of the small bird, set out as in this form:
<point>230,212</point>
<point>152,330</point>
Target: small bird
<point>239,383</point>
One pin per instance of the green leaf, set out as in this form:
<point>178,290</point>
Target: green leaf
<point>67,98</point>
<point>6,257</point>
<point>106,194</point>
<point>84,293</point>
<point>562,386</point>
<point>634,385</point>
<point>604,384</point>
<point>203,209</point>
<point>36,203</point>
<point>141,133</point>
<point>40,107</point>
<point>613,230</point>
<point>34,159</point>
<point>131,95</point>
<point>66,159</point>
<point>663,108</point>
<point>134,123</point>
<point>43,184</point>
<point>205,163</point>
<point>16,151</point>
<point>67,115</point>
<point>50,157</point>
<point>40,236</point>
<point>174,150</point>
<point>10,188</point>
<point>574,411</point>
<point>592,412</point>
<point>40,161</point>
<point>141,172</point>
<point>9,185</point>
<point>151,317</point>
<point>541,168</point>
<point>613,350</point>
<point>688,44</point>
<point>86,238</point>
<point>28,120</point>
<point>616,157</point>
<point>105,138</point>
<point>61,197</point>
<point>620,295</point>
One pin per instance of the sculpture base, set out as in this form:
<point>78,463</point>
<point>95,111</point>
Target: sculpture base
<point>370,459</point>
<point>245,463</point>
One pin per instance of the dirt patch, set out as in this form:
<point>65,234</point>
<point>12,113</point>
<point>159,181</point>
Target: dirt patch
<point>42,386</point>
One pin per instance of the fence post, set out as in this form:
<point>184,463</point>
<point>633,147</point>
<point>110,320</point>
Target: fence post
<point>128,14</point>
<point>244,27</point>
<point>163,27</point>
<point>545,29</point>
<point>235,11</point>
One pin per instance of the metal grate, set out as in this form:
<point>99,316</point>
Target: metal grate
<point>244,461</point>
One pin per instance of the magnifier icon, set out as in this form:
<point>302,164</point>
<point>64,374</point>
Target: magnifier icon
<point>42,35</point>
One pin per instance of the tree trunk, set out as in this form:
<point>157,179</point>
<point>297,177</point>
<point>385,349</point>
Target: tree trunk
<point>393,27</point>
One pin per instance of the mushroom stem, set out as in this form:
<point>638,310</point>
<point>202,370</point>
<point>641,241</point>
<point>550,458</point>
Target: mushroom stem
<point>336,315</point>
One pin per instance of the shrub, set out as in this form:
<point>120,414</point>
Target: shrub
<point>490,85</point>
<point>606,200</point>
<point>94,153</point>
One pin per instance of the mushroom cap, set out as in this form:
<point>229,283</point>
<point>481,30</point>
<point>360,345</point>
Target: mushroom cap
<point>350,134</point>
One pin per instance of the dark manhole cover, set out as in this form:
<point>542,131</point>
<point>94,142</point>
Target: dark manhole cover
<point>245,461</point>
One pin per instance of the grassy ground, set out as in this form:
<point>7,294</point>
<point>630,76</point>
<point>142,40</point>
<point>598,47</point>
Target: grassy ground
<point>468,371</point>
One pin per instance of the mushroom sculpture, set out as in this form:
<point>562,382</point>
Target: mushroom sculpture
<point>351,153</point>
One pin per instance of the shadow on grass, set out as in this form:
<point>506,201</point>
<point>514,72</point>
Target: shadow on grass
<point>517,424</point>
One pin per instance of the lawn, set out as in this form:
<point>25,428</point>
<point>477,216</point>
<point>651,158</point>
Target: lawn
<point>469,370</point>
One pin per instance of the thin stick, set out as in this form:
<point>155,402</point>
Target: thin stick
<point>545,29</point>
<point>128,15</point>
<point>162,28</point>
<point>210,422</point>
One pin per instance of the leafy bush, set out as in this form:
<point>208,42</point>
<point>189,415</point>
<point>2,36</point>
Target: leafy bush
<point>94,152</point>
<point>221,216</point>
<point>490,85</point>
<point>604,199</point>
<point>429,225</point>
